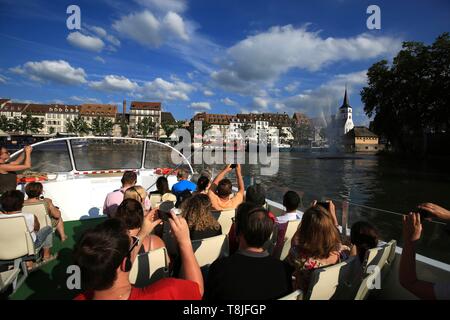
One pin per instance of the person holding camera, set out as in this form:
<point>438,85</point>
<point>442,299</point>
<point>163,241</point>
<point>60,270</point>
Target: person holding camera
<point>412,231</point>
<point>221,190</point>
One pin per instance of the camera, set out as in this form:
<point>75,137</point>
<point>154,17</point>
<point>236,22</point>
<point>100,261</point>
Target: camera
<point>324,204</point>
<point>233,166</point>
<point>164,210</point>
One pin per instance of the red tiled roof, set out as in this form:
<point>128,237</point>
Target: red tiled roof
<point>142,105</point>
<point>105,110</point>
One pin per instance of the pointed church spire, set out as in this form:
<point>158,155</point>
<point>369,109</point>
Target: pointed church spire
<point>345,103</point>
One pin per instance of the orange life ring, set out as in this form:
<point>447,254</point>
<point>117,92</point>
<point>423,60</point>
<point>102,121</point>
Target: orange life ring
<point>31,179</point>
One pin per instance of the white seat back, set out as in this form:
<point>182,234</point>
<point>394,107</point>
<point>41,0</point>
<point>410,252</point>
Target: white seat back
<point>338,282</point>
<point>225,219</point>
<point>210,249</point>
<point>15,239</point>
<point>291,228</point>
<point>149,267</point>
<point>39,209</point>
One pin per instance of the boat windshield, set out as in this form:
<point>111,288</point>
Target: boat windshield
<point>96,154</point>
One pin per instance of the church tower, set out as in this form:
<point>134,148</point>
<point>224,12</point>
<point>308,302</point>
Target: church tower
<point>345,112</point>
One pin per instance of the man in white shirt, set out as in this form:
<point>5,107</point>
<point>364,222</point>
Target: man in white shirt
<point>12,203</point>
<point>291,201</point>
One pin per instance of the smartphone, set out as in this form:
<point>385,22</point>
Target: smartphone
<point>164,210</point>
<point>233,166</point>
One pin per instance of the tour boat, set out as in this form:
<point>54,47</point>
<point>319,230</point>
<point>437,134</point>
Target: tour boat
<point>77,179</point>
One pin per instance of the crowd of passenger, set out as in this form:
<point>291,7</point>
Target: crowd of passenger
<point>139,222</point>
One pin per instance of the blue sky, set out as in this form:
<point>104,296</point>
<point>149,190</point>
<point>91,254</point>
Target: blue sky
<point>203,55</point>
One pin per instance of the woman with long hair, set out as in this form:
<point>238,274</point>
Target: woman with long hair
<point>316,244</point>
<point>197,212</point>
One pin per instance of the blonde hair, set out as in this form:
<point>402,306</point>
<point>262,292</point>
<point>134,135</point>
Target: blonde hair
<point>197,212</point>
<point>137,193</point>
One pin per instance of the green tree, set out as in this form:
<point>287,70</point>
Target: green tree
<point>409,99</point>
<point>51,130</point>
<point>77,126</point>
<point>5,124</point>
<point>123,127</point>
<point>168,128</point>
<point>301,132</point>
<point>102,126</point>
<point>145,127</point>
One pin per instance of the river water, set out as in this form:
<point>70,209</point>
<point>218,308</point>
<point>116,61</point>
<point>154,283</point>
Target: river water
<point>371,181</point>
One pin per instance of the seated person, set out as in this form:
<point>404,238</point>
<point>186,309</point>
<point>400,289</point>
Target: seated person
<point>131,213</point>
<point>251,273</point>
<point>220,192</point>
<point>12,203</point>
<point>316,244</point>
<point>291,201</point>
<point>363,236</point>
<point>162,189</point>
<point>197,212</point>
<point>34,191</point>
<point>412,231</point>
<point>183,183</point>
<point>104,257</point>
<point>138,193</point>
<point>8,176</point>
<point>203,184</point>
<point>255,194</point>
<point>113,199</point>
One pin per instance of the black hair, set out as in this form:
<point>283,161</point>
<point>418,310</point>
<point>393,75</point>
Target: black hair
<point>254,223</point>
<point>364,236</point>
<point>131,213</point>
<point>128,178</point>
<point>34,189</point>
<point>12,200</point>
<point>225,188</point>
<point>291,200</point>
<point>100,252</point>
<point>256,194</point>
<point>162,185</point>
<point>182,197</point>
<point>202,183</point>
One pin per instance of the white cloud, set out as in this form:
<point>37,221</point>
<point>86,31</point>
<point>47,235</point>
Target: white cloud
<point>99,31</point>
<point>325,99</point>
<point>175,24</point>
<point>208,93</point>
<point>251,59</point>
<point>292,86</point>
<point>164,5</point>
<point>166,90</point>
<point>200,105</point>
<point>148,30</point>
<point>58,71</point>
<point>85,42</point>
<point>227,101</point>
<point>2,79</point>
<point>85,99</point>
<point>260,103</point>
<point>114,83</point>
<point>99,59</point>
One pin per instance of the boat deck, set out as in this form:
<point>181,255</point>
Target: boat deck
<point>49,281</point>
